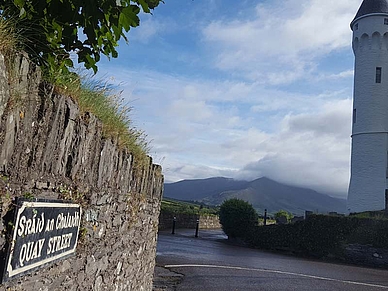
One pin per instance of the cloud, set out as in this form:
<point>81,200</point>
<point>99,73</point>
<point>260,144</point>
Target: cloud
<point>332,120</point>
<point>336,76</point>
<point>152,28</point>
<point>310,149</point>
<point>284,39</point>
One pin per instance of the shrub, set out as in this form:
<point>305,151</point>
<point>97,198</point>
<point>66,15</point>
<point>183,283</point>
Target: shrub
<point>321,235</point>
<point>238,218</point>
<point>282,213</point>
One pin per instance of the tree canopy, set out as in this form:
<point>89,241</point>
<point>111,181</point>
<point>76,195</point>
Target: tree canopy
<point>237,218</point>
<point>51,29</point>
<point>282,213</point>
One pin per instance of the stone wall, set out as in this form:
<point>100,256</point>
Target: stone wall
<point>209,222</point>
<point>188,221</point>
<point>50,149</point>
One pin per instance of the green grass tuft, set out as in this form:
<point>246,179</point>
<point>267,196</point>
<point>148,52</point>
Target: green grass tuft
<point>107,104</point>
<point>8,37</point>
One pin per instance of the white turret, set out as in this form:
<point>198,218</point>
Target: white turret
<point>369,163</point>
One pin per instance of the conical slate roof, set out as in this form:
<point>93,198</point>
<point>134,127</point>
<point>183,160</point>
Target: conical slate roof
<point>370,7</point>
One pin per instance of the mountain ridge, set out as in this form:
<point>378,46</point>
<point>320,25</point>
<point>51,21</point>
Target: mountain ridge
<point>262,193</point>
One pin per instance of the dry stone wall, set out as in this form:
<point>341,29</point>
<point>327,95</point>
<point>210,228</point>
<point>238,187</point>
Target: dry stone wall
<point>50,149</point>
<point>209,222</point>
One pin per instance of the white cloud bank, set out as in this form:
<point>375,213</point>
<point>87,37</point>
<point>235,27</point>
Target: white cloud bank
<point>311,150</point>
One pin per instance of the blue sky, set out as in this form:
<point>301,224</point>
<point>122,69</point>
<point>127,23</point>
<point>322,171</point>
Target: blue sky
<point>244,89</point>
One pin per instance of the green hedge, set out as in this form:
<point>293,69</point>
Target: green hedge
<point>320,235</point>
<point>237,218</point>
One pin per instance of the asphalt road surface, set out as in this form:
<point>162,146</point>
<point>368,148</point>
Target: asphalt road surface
<point>209,264</point>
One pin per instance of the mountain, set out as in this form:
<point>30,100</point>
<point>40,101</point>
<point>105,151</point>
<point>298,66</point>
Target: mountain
<point>262,193</point>
<point>196,190</point>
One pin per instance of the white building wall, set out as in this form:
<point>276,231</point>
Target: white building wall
<point>370,126</point>
<point>368,173</point>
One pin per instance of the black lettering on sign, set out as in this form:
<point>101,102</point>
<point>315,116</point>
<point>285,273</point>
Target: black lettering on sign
<point>44,231</point>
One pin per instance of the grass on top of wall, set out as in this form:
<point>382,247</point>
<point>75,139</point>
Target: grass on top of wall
<point>9,39</point>
<point>107,104</point>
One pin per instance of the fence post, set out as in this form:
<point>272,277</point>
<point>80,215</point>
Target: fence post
<point>197,228</point>
<point>173,225</point>
<point>386,200</point>
<point>265,216</point>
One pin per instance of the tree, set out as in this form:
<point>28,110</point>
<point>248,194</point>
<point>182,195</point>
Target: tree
<point>51,29</point>
<point>237,218</point>
<point>282,213</point>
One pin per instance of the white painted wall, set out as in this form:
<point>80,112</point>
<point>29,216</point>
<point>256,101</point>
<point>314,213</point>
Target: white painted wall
<point>370,131</point>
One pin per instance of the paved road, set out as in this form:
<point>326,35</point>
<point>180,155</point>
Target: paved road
<point>212,265</point>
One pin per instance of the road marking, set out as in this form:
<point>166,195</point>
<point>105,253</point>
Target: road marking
<point>278,272</point>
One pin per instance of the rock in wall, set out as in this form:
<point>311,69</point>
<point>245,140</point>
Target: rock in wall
<point>50,149</point>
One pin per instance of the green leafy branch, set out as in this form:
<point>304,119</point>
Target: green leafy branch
<point>55,28</point>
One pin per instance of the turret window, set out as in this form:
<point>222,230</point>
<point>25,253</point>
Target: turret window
<point>356,26</point>
<point>354,115</point>
<point>386,21</point>
<point>378,75</point>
